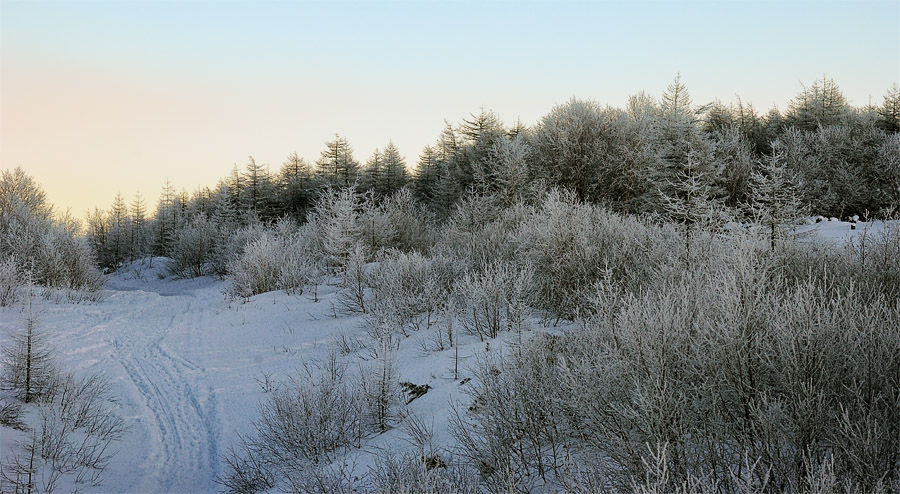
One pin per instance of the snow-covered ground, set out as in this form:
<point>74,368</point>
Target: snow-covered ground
<point>832,230</point>
<point>189,367</point>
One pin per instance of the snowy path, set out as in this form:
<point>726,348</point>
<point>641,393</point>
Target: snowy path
<point>134,337</point>
<point>182,449</point>
<point>185,364</point>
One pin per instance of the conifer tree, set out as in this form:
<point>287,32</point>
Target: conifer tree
<point>336,167</point>
<point>426,175</point>
<point>395,175</point>
<point>295,181</point>
<point>775,196</point>
<point>138,237</point>
<point>890,109</point>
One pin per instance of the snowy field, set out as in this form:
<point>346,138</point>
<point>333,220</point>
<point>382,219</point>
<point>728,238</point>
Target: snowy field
<point>190,366</point>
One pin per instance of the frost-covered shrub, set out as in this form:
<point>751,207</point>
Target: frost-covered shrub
<point>351,298</point>
<point>258,269</point>
<point>572,245</point>
<point>399,222</point>
<point>728,375</point>
<point>409,289</point>
<point>869,266</point>
<point>194,248</point>
<point>480,232</point>
<point>379,391</point>
<point>281,258</point>
<point>515,432</point>
<point>303,426</point>
<point>494,299</point>
<point>411,474</point>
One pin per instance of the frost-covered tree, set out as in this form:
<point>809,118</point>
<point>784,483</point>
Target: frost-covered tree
<point>568,145</point>
<point>43,247</point>
<point>395,176</point>
<point>890,109</point>
<point>28,368</point>
<point>337,217</point>
<point>733,153</point>
<point>138,228</point>
<point>688,197</point>
<point>426,175</point>
<point>336,167</point>
<point>821,104</point>
<point>296,191</point>
<point>371,176</point>
<point>258,190</point>
<point>775,196</point>
<point>505,170</point>
<point>117,249</point>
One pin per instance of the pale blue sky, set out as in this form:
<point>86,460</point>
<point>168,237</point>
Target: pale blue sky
<point>131,92</point>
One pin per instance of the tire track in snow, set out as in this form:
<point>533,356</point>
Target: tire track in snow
<point>183,450</point>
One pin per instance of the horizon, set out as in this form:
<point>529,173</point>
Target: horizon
<point>100,98</point>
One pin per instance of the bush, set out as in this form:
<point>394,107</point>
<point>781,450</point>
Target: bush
<point>730,376</point>
<point>302,426</point>
<point>282,258</point>
<point>493,300</point>
<point>408,290</point>
<point>573,245</point>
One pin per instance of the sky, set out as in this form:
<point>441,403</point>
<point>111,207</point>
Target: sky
<point>99,98</point>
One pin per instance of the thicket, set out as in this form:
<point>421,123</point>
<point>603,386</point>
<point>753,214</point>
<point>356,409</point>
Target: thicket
<point>691,164</point>
<point>40,247</point>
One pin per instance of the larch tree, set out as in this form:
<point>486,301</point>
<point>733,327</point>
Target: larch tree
<point>819,105</point>
<point>28,368</point>
<point>775,196</point>
<point>395,175</point>
<point>257,192</point>
<point>118,232</point>
<point>426,175</point>
<point>336,167</point>
<point>371,176</point>
<point>295,180</point>
<point>567,145</point>
<point>138,224</point>
<point>890,109</point>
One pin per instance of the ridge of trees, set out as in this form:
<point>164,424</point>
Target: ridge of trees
<point>662,156</point>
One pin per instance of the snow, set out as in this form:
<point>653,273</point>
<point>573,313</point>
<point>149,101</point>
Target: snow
<point>833,231</point>
<point>188,365</point>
